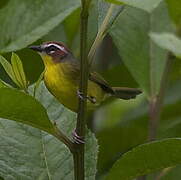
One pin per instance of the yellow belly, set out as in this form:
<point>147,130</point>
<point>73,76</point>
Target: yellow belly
<point>65,89</point>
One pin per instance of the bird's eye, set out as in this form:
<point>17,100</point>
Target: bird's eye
<point>50,49</point>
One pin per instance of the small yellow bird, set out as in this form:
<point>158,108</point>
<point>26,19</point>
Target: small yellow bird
<point>62,77</point>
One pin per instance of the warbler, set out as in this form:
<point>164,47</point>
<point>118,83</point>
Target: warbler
<point>62,78</point>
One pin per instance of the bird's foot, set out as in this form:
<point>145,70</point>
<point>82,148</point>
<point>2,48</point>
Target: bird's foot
<point>77,139</point>
<point>90,98</point>
<point>80,95</point>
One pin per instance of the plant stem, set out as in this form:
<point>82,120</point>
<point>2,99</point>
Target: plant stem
<point>102,32</point>
<point>78,155</point>
<point>80,128</point>
<point>155,103</point>
<point>154,113</point>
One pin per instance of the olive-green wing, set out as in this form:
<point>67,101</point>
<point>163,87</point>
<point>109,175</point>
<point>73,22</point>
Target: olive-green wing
<point>118,92</point>
<point>95,77</point>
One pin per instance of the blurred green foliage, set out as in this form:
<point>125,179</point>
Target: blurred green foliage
<point>30,153</point>
<point>127,57</point>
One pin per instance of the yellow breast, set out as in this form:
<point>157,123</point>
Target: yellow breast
<point>64,87</point>
<point>61,87</point>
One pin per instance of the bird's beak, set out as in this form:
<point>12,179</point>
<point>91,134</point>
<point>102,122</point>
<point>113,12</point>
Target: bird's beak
<point>36,48</point>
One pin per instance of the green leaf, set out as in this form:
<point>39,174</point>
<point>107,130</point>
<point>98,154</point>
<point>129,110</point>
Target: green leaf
<point>2,84</point>
<point>168,41</point>
<point>9,70</point>
<point>133,125</point>
<point>147,5</point>
<point>38,19</point>
<point>145,60</point>
<point>71,26</point>
<point>92,23</point>
<point>37,84</point>
<point>20,107</point>
<point>32,64</point>
<point>18,70</point>
<point>45,157</point>
<point>147,158</point>
<point>172,173</point>
<point>174,7</point>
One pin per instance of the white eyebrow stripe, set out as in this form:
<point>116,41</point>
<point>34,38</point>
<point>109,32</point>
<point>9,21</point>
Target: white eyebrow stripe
<point>56,45</point>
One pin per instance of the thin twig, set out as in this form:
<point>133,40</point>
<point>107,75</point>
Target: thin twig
<point>80,128</point>
<point>78,156</point>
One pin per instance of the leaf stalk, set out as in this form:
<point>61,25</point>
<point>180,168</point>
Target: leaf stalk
<point>155,103</point>
<point>102,32</point>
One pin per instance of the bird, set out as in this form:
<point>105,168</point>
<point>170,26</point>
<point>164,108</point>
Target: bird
<point>62,79</point>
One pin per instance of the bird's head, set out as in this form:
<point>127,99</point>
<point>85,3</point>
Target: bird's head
<point>52,51</point>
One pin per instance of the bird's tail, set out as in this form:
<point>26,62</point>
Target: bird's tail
<point>126,93</point>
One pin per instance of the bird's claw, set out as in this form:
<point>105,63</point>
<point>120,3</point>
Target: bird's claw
<point>80,94</point>
<point>90,98</point>
<point>77,139</point>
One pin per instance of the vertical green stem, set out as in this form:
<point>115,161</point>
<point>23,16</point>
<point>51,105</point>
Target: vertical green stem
<point>156,102</point>
<point>81,118</point>
<point>154,113</point>
<point>155,106</point>
<point>80,128</point>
